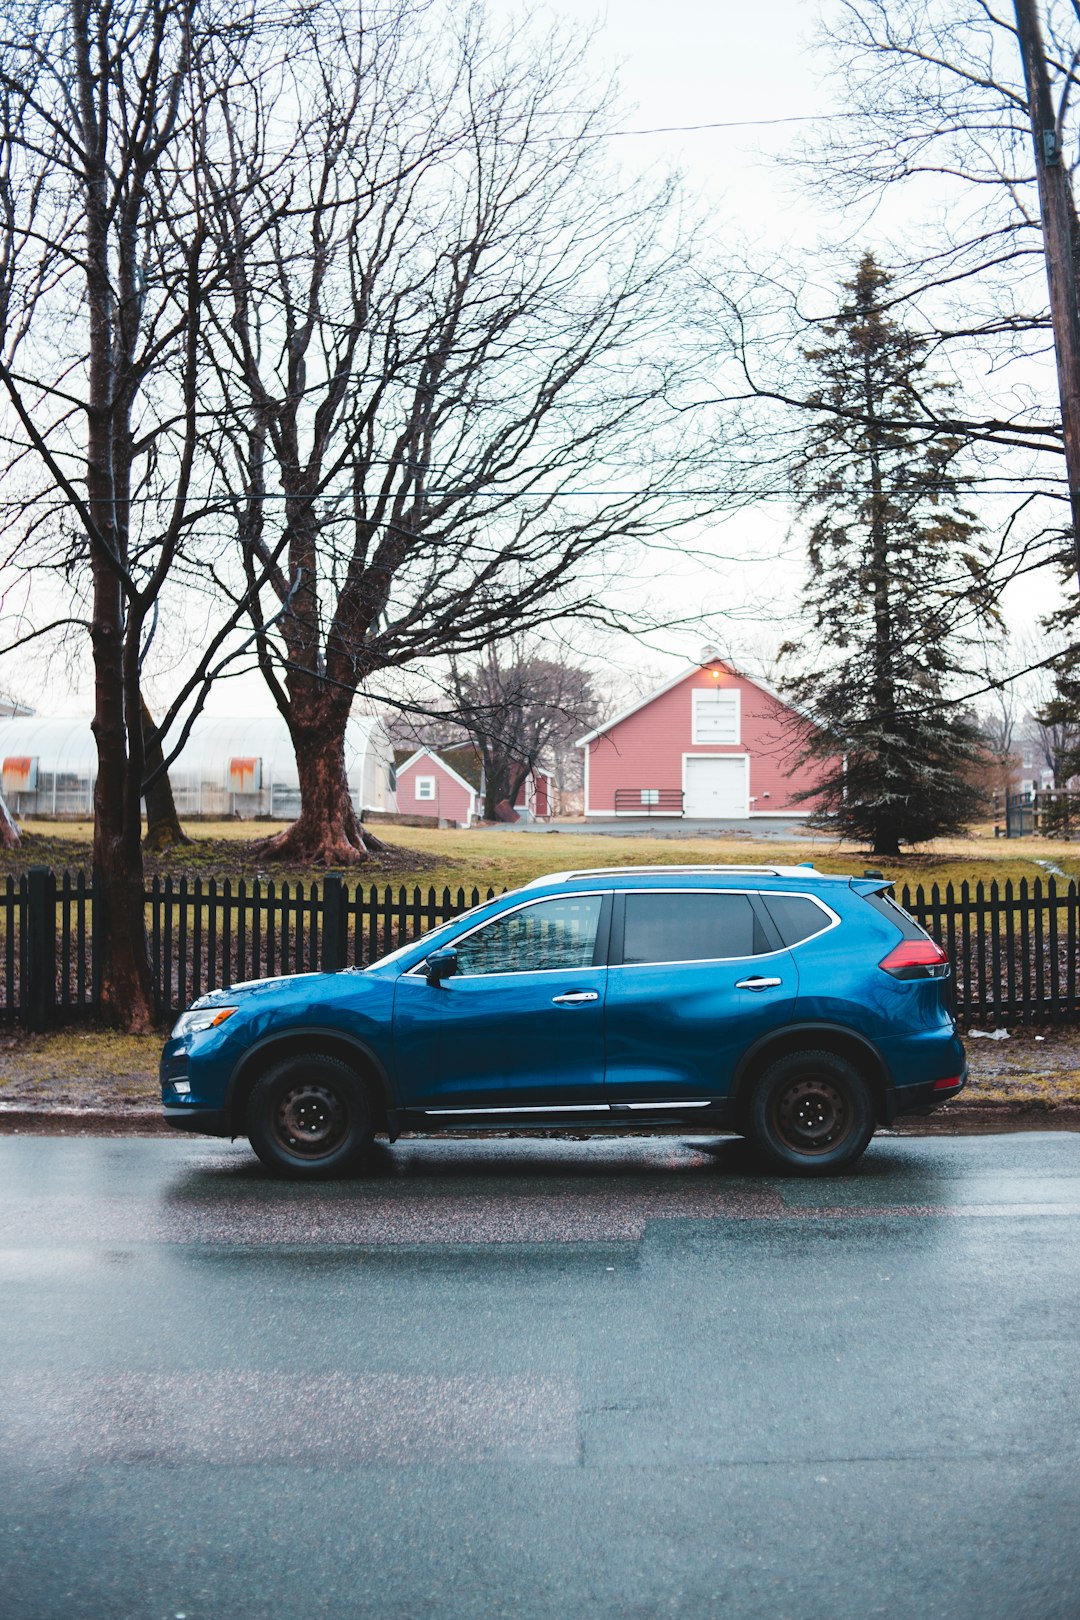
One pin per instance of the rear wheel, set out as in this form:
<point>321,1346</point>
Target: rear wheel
<point>309,1117</point>
<point>811,1113</point>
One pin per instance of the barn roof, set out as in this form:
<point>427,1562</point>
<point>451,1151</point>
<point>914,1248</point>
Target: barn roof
<point>676,680</point>
<point>448,761</point>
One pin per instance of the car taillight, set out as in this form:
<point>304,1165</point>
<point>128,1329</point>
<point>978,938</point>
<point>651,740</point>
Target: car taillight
<point>916,959</point>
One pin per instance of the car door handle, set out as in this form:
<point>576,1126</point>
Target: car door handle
<point>575,998</point>
<point>757,983</point>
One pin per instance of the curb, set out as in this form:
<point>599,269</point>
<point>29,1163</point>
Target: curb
<point>972,1119</point>
<point>83,1121</point>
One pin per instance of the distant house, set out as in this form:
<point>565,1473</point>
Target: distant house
<point>710,743</point>
<point>448,785</point>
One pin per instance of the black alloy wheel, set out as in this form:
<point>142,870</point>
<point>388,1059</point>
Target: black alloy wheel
<point>309,1117</point>
<point>812,1113</point>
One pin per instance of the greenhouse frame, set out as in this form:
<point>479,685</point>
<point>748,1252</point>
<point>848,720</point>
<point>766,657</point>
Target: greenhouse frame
<point>230,766</point>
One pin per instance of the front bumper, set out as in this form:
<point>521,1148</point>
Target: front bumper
<point>204,1121</point>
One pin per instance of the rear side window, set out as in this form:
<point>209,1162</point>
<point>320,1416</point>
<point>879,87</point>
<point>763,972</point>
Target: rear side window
<point>796,916</point>
<point>690,927</point>
<point>896,915</point>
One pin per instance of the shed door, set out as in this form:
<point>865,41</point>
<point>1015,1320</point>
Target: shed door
<point>716,787</point>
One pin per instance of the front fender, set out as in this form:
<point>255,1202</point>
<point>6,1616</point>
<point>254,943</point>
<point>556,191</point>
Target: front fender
<point>308,1038</point>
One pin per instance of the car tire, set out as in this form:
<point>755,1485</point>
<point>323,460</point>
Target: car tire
<point>811,1113</point>
<point>310,1118</point>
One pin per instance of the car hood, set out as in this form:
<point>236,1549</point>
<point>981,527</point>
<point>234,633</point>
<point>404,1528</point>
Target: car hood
<point>248,990</point>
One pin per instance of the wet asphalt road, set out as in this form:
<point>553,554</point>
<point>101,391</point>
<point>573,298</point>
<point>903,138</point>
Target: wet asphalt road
<point>528,1378</point>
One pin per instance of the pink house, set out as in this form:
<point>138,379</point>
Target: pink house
<point>449,786</point>
<point>711,743</point>
<point>428,785</point>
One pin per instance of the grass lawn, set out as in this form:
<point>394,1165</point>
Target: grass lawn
<point>504,858</point>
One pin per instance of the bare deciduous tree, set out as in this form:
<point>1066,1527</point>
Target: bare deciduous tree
<point>105,267</point>
<point>521,710</point>
<point>933,119</point>
<point>455,368</point>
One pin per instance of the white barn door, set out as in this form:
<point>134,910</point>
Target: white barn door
<point>716,786</point>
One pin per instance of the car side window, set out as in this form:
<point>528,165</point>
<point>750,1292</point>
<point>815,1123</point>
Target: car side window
<point>796,916</point>
<point>690,927</point>
<point>540,938</point>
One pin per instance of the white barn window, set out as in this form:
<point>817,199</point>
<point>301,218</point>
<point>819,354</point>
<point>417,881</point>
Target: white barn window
<point>425,787</point>
<point>715,716</point>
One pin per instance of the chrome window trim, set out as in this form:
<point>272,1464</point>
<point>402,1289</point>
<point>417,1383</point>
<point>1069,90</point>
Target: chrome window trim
<point>801,894</point>
<point>577,894</point>
<point>519,973</point>
<point>763,956</point>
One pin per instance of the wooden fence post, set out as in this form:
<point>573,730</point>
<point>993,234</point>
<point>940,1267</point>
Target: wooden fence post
<point>39,999</point>
<point>335,945</point>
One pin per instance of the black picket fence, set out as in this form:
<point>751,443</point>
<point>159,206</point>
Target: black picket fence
<point>1013,948</point>
<point>202,934</point>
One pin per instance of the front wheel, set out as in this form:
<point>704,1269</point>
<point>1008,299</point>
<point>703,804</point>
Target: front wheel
<point>309,1117</point>
<point>811,1113</point>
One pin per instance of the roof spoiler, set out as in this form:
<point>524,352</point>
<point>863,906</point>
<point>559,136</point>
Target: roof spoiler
<point>871,885</point>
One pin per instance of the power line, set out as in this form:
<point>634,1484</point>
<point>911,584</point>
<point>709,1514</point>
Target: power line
<point>728,123</point>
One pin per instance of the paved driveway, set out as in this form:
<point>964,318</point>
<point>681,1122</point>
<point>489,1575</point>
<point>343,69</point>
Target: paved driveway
<point>673,827</point>
<point>539,1378</point>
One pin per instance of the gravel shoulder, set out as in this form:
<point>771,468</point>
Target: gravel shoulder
<point>89,1081</point>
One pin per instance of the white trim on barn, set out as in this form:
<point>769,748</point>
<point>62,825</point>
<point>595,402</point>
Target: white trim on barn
<point>617,719</point>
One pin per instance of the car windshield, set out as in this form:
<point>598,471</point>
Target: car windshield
<point>430,939</point>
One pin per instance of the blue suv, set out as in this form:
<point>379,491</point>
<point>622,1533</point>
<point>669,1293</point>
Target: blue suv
<point>796,1008</point>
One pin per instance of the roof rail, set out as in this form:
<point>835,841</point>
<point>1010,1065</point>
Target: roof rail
<point>660,866</point>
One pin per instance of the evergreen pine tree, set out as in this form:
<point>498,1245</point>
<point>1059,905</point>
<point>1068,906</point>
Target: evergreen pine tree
<point>898,589</point>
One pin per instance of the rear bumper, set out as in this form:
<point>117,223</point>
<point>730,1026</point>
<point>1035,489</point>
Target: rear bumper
<point>930,1094</point>
<point>204,1121</point>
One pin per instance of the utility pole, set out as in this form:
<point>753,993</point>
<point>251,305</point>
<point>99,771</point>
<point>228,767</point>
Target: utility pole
<point>1059,227</point>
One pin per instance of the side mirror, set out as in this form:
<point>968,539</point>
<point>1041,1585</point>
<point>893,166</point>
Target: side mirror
<point>441,965</point>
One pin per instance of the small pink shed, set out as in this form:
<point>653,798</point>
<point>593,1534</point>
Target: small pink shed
<point>449,786</point>
<point>428,786</point>
<point>710,744</point>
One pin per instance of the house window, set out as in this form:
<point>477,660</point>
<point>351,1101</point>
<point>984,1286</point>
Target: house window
<point>425,787</point>
<point>715,716</point>
<point>650,795</point>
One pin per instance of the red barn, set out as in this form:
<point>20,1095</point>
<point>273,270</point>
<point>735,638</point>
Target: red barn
<point>711,743</point>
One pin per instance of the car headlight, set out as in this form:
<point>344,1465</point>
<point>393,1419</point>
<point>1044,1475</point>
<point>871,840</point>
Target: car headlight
<point>200,1018</point>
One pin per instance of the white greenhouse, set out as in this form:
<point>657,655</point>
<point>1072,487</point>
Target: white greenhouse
<point>236,765</point>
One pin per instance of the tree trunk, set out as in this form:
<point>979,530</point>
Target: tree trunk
<point>9,833</point>
<point>126,998</point>
<point>163,828</point>
<point>887,843</point>
<point>328,831</point>
<point>1058,212</point>
<point>119,921</point>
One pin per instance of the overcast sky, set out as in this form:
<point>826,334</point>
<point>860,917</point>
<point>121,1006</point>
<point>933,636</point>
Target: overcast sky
<point>699,62</point>
<point>686,62</point>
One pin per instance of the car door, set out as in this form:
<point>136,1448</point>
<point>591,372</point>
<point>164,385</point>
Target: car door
<point>520,1025</point>
<point>696,976</point>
